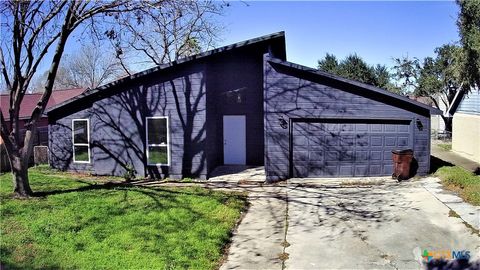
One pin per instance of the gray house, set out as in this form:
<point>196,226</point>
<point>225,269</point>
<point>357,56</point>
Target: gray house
<point>239,104</point>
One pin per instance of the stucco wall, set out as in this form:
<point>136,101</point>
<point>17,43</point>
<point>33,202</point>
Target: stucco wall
<point>466,135</point>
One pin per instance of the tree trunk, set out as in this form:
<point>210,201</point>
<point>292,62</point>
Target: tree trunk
<point>20,177</point>
<point>448,123</point>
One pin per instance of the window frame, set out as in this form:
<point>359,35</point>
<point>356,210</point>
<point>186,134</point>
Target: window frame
<point>167,145</point>
<point>81,144</point>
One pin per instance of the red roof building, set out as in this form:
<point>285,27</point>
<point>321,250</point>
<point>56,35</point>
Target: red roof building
<point>28,104</point>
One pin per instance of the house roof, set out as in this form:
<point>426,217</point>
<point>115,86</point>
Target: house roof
<point>455,102</point>
<point>462,95</point>
<point>280,36</point>
<point>30,101</point>
<point>425,100</point>
<point>368,87</point>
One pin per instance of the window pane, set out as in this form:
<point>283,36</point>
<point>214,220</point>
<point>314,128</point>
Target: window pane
<point>157,155</point>
<point>81,153</point>
<point>157,131</point>
<point>80,132</point>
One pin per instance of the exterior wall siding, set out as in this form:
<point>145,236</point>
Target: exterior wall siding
<point>230,75</point>
<point>117,124</point>
<point>61,144</point>
<point>470,103</point>
<point>289,96</point>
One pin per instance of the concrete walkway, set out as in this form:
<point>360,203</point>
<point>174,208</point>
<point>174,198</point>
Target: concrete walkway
<point>467,212</point>
<point>340,223</point>
<point>257,243</point>
<point>454,158</point>
<point>343,223</point>
<point>382,226</point>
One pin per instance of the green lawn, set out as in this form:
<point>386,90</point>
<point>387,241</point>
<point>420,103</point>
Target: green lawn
<point>462,181</point>
<point>80,224</point>
<point>445,146</point>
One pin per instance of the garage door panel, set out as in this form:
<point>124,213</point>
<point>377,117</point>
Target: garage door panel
<point>316,127</point>
<point>316,156</point>
<point>347,128</point>
<point>387,155</point>
<point>376,141</point>
<point>332,156</point>
<point>300,156</point>
<point>403,128</point>
<point>346,170</point>
<point>387,169</point>
<point>376,128</point>
<point>347,156</point>
<point>300,139</point>
<point>332,127</point>
<point>389,128</point>
<point>376,155</point>
<point>332,140</point>
<point>361,155</point>
<point>347,140</point>
<point>347,149</point>
<point>362,140</point>
<point>375,170</point>
<point>330,170</point>
<point>390,141</point>
<point>300,171</point>
<point>359,128</point>
<point>403,141</point>
<point>316,140</point>
<point>361,170</point>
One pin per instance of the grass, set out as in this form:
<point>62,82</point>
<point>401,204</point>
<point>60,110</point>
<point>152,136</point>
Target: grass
<point>465,183</point>
<point>79,223</point>
<point>445,146</point>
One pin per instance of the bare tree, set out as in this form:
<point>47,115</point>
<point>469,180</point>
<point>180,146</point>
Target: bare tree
<point>90,66</point>
<point>161,29</point>
<point>29,30</point>
<point>180,28</point>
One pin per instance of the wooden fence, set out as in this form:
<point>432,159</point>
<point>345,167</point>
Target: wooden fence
<point>41,138</point>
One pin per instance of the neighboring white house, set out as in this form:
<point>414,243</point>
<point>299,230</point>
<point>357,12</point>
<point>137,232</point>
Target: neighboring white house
<point>437,125</point>
<point>465,109</point>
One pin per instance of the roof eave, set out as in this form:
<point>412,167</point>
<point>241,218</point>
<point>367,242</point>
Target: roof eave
<point>432,110</point>
<point>146,72</point>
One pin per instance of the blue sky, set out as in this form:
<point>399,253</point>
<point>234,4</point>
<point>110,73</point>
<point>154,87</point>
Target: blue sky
<point>377,31</point>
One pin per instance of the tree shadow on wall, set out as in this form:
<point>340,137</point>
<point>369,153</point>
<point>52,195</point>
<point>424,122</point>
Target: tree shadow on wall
<point>328,136</point>
<point>120,121</point>
<point>118,127</point>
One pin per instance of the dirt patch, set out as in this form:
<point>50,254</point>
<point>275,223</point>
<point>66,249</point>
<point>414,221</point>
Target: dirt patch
<point>285,244</point>
<point>283,256</point>
<point>452,213</point>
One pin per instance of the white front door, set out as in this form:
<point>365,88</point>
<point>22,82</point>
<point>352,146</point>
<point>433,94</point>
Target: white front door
<point>234,139</point>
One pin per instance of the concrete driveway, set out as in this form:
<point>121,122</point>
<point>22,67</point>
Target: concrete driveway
<point>338,224</point>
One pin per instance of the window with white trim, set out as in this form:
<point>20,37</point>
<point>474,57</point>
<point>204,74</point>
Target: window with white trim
<point>158,149</point>
<point>81,140</point>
